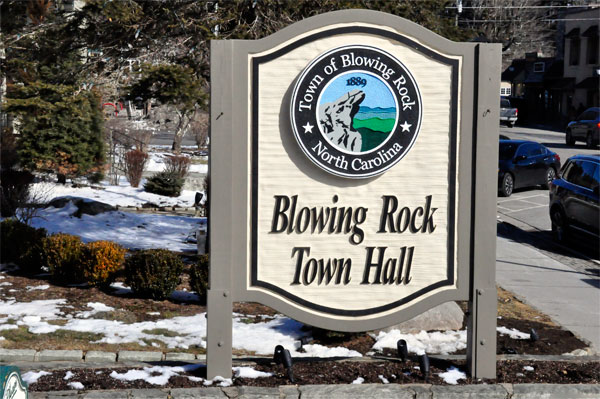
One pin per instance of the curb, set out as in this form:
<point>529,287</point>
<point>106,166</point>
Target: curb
<point>416,391</point>
<point>31,355</point>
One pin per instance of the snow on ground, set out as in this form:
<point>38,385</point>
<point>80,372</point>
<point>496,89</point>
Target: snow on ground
<point>452,375</point>
<point>424,342</point>
<point>513,333</point>
<point>31,377</point>
<point>131,230</point>
<point>249,372</point>
<point>76,385</point>
<point>156,163</point>
<point>122,195</point>
<point>359,380</point>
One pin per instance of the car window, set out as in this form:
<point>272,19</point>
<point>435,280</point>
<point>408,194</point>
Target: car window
<point>535,150</point>
<point>582,173</point>
<point>587,115</point>
<point>507,151</point>
<point>504,104</point>
<point>589,174</point>
<point>524,149</point>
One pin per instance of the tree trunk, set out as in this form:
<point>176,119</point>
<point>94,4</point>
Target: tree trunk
<point>183,126</point>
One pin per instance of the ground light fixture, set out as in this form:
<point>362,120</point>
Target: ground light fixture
<point>402,350</point>
<point>424,365</point>
<point>283,356</point>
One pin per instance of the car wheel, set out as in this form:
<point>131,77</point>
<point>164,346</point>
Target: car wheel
<point>559,225</point>
<point>510,124</point>
<point>508,184</point>
<point>569,138</point>
<point>550,175</point>
<point>589,140</point>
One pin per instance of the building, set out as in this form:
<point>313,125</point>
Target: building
<point>552,91</point>
<point>581,64</point>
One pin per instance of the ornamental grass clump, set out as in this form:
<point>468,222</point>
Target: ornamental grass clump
<point>135,161</point>
<point>62,254</point>
<point>178,164</point>
<point>153,273</point>
<point>100,262</point>
<point>199,278</point>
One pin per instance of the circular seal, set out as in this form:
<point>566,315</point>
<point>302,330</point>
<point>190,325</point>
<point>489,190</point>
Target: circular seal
<point>356,111</point>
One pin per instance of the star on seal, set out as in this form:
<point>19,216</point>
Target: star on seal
<point>405,126</point>
<point>308,127</point>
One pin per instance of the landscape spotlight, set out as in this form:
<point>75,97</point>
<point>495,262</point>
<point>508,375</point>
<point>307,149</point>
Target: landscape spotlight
<point>402,350</point>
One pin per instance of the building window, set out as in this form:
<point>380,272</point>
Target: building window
<point>574,53</point>
<point>538,67</point>
<point>505,91</point>
<point>592,50</point>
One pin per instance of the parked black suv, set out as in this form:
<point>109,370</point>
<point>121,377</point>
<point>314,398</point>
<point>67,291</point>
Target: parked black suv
<point>585,128</point>
<point>574,204</point>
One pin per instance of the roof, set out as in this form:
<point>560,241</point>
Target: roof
<point>586,157</point>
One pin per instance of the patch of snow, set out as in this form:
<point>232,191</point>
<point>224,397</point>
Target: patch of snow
<point>5,284</point>
<point>452,375</point>
<point>68,375</point>
<point>359,380</point>
<point>383,379</point>
<point>156,375</point>
<point>120,288</point>
<point>8,327</point>
<point>31,377</point>
<point>120,195</point>
<point>513,333</point>
<point>131,230</point>
<point>153,313</point>
<point>97,307</point>
<point>76,385</point>
<point>316,350</point>
<point>528,368</point>
<point>249,372</point>
<point>423,342</point>
<point>42,308</point>
<point>37,287</point>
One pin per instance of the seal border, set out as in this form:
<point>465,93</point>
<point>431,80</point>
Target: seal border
<point>379,171</point>
<point>449,281</point>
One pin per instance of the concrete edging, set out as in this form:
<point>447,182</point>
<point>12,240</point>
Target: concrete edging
<point>416,391</point>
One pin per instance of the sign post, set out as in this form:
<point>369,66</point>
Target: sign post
<point>352,185</point>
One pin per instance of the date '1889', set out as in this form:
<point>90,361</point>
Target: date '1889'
<point>356,81</point>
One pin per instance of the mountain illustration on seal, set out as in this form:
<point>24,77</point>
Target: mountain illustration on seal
<point>355,127</point>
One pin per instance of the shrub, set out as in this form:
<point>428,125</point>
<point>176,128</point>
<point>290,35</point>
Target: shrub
<point>153,273</point>
<point>62,254</point>
<point>100,262</point>
<point>15,190</point>
<point>178,165</point>
<point>164,183</point>
<point>20,243</point>
<point>199,277</point>
<point>135,161</point>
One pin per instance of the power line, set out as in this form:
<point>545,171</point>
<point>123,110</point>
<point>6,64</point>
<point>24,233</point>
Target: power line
<point>521,7</point>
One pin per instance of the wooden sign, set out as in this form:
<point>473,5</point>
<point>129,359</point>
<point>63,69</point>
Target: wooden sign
<point>347,176</point>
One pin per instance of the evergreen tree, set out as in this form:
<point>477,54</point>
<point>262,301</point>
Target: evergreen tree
<point>59,119</point>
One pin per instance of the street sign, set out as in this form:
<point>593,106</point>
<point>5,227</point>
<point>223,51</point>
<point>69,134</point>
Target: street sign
<point>349,189</point>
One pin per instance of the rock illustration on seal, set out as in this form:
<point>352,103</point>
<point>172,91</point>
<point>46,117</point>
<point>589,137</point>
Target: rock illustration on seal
<point>357,120</point>
<point>336,119</point>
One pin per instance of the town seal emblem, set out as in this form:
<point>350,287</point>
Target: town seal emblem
<point>356,111</point>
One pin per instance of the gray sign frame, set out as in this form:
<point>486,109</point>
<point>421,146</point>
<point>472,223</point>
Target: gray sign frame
<point>231,186</point>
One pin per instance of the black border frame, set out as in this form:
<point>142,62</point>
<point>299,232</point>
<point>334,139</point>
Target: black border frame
<point>453,63</point>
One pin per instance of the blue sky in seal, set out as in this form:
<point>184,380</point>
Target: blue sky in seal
<point>377,94</point>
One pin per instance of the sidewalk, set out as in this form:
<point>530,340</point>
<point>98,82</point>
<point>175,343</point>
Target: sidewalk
<point>570,297</point>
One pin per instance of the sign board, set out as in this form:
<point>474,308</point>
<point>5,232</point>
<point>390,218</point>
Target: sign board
<point>349,187</point>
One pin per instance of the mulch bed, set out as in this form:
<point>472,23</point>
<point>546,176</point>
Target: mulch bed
<point>341,372</point>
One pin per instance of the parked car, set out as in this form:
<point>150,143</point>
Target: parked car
<point>585,128</point>
<point>574,204</point>
<point>525,164</point>
<point>508,115</point>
